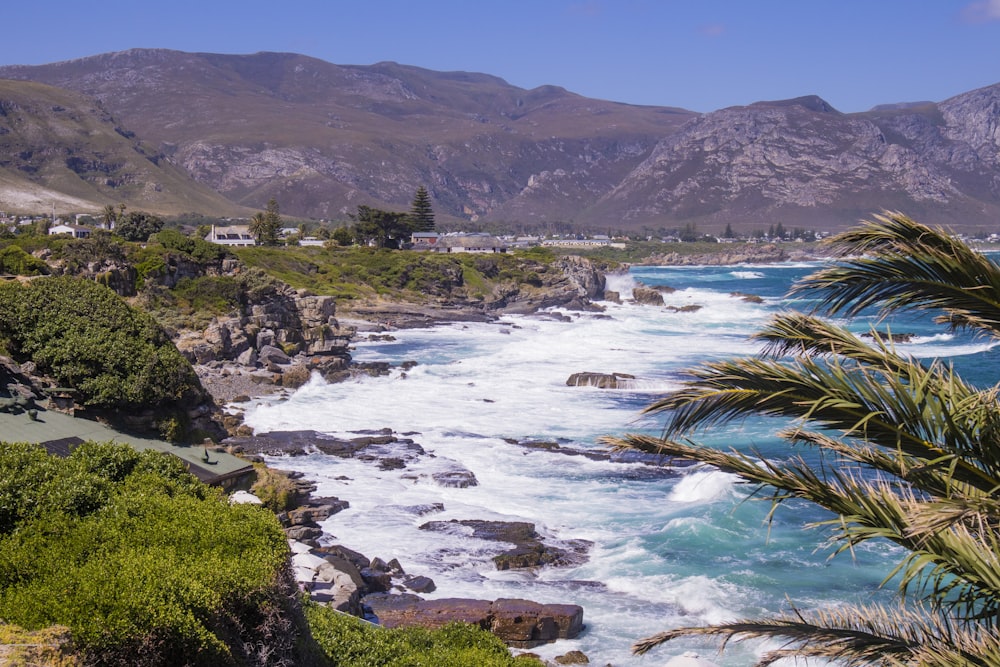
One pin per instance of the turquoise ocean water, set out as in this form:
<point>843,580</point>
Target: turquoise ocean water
<point>667,550</point>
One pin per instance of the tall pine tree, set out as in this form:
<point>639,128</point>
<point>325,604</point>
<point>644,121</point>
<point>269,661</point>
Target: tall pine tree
<point>266,227</point>
<point>421,215</point>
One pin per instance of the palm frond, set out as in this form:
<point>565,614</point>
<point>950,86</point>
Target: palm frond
<point>910,267</point>
<point>928,414</point>
<point>806,335</point>
<point>954,567</point>
<point>855,636</point>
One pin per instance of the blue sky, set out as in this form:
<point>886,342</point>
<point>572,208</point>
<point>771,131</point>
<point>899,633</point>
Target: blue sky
<point>701,55</point>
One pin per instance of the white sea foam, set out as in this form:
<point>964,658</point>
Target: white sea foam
<point>668,550</point>
<point>703,486</point>
<point>747,275</point>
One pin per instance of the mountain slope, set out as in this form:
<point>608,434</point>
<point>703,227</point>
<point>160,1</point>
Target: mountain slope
<point>802,162</point>
<point>60,150</point>
<point>323,138</point>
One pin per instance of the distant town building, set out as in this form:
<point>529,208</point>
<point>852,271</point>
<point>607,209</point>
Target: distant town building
<point>483,243</point>
<point>596,241</point>
<point>233,235</point>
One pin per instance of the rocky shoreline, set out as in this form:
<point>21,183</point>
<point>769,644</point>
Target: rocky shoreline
<point>379,587</point>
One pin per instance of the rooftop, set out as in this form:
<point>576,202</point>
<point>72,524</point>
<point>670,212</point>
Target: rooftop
<point>59,433</point>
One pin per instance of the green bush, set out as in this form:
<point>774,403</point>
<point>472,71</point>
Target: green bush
<point>350,642</point>
<point>87,337</point>
<point>199,250</point>
<point>141,561</point>
<point>15,261</point>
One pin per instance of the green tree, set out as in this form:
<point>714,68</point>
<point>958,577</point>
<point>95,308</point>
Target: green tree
<point>387,229</point>
<point>342,236</point>
<point>109,216</point>
<point>138,226</point>
<point>911,452</point>
<point>266,226</point>
<point>421,215</point>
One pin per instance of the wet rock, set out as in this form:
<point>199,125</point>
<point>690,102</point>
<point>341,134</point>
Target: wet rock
<point>748,298</point>
<point>318,509</point>
<point>455,479</point>
<point>420,584</point>
<point>295,443</point>
<point>497,531</point>
<point>377,581</point>
<point>646,296</point>
<point>295,376</point>
<point>572,658</point>
<point>600,380</point>
<point>528,550</point>
<point>307,534</point>
<point>890,337</point>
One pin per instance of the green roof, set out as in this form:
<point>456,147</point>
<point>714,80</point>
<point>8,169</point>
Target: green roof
<point>56,428</point>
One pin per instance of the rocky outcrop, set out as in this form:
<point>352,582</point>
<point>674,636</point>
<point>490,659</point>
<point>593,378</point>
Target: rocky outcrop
<point>284,323</point>
<point>519,623</point>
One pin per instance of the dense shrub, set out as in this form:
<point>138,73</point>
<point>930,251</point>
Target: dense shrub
<point>15,261</point>
<point>88,338</point>
<point>197,249</point>
<point>350,642</point>
<point>142,562</point>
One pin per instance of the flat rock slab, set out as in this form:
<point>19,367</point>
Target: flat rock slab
<point>519,623</point>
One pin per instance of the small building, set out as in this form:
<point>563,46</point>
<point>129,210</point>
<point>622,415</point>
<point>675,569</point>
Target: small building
<point>424,240</point>
<point>481,243</point>
<point>76,231</point>
<point>233,235</point>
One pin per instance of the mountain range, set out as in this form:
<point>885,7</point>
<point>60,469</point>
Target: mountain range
<point>177,132</point>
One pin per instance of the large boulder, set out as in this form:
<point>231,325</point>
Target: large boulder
<point>519,623</point>
<point>647,296</point>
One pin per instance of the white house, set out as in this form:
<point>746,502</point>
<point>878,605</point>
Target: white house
<point>76,231</point>
<point>233,235</point>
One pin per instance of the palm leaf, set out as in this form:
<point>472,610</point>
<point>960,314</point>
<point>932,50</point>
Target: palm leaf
<point>911,267</point>
<point>881,408</point>
<point>856,636</point>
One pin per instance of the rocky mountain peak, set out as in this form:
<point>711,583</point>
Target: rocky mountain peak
<point>323,138</point>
